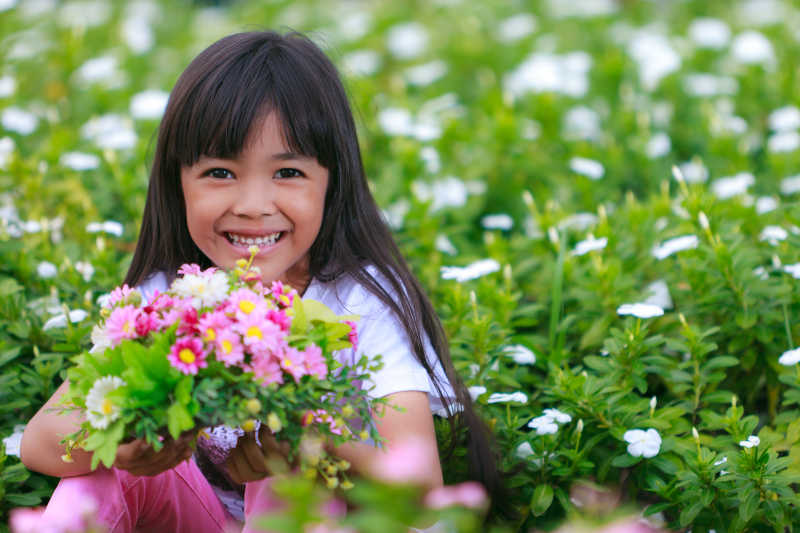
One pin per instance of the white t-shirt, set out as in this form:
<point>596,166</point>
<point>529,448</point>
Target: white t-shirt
<point>379,333</point>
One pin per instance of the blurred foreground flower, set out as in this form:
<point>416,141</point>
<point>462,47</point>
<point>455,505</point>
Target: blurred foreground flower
<point>640,310</point>
<point>790,357</point>
<point>471,271</point>
<point>79,518</point>
<point>470,494</point>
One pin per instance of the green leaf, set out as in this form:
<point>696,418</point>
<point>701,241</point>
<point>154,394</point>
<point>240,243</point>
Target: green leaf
<point>178,419</point>
<point>625,460</point>
<point>183,392</point>
<point>689,513</point>
<point>104,444</point>
<point>541,500</point>
<point>749,505</point>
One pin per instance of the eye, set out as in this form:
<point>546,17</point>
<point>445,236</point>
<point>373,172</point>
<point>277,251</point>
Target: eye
<point>288,173</point>
<point>219,173</point>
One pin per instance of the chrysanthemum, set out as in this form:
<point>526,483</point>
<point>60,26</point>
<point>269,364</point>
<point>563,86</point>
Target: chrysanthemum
<point>187,355</point>
<point>211,325</point>
<point>352,336</point>
<point>100,409</point>
<point>121,324</point>
<point>293,362</point>
<point>204,290</point>
<point>229,347</point>
<point>266,369</point>
<point>259,334</point>
<point>315,362</point>
<point>244,303</point>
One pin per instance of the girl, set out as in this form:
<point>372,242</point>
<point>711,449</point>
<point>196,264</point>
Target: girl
<point>258,146</point>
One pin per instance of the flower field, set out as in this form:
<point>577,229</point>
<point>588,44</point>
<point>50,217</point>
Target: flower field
<point>600,197</point>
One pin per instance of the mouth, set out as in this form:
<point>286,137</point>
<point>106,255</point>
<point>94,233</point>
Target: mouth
<point>262,241</point>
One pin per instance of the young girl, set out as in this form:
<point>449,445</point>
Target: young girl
<point>258,146</point>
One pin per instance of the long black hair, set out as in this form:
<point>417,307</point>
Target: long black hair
<point>223,93</point>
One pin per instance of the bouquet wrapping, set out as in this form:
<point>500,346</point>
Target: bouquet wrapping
<point>219,348</point>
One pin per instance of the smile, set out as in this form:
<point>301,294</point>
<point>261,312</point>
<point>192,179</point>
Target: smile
<point>249,240</point>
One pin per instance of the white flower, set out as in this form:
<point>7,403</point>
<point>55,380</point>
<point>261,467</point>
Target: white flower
<point>429,156</point>
<point>19,121</point>
<point>773,234</point>
<point>524,450</point>
<point>783,141</point>
<point>112,227</point>
<point>794,270</point>
<point>587,167</point>
<point>659,295</point>
<point>503,397</point>
<point>751,441</point>
<point>721,461</point>
<point>762,12</point>
<point>790,357</point>
<point>396,121</point>
<point>578,221</point>
<point>643,443</point>
<point>791,184</point>
<point>709,33</point>
<point>785,118</point>
<point>659,145</point>
<point>655,55</point>
<point>694,172</point>
<point>706,85</point>
<point>558,416</point>
<point>361,63</point>
<point>83,14</point>
<point>581,8</point>
<point>100,339</point>
<point>765,204</point>
<point>730,186</point>
<point>100,410</point>
<point>516,27</point>
<point>544,425</point>
<point>13,441</point>
<point>99,69</point>
<point>445,245</point>
<point>5,5</point>
<point>46,270</point>
<point>6,149</point>
<point>589,245</point>
<point>149,104</point>
<point>7,86</point>
<point>751,47</point>
<point>79,161</point>
<point>582,124</point>
<point>446,192</point>
<point>354,24</point>
<point>522,355</point>
<point>85,269</point>
<point>137,30</point>
<point>471,271</point>
<point>546,72</point>
<point>204,290</point>
<point>395,213</point>
<point>640,310</point>
<point>475,391</point>
<point>674,245</point>
<point>407,40</point>
<point>60,321</point>
<point>500,221</point>
<point>110,131</point>
<point>427,73</point>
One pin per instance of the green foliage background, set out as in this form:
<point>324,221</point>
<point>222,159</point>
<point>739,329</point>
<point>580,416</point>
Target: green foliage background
<point>711,361</point>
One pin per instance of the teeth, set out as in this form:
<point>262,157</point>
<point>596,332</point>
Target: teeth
<point>258,241</point>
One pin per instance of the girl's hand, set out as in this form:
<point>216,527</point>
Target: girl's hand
<point>251,462</point>
<point>140,459</point>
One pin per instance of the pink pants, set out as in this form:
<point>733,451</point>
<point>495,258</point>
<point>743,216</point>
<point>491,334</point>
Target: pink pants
<point>176,501</point>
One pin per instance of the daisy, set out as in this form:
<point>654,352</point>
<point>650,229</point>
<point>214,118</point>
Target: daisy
<point>293,362</point>
<point>229,347</point>
<point>212,324</point>
<point>203,290</point>
<point>121,324</point>
<point>187,355</point>
<point>643,443</point>
<point>100,409</point>
<point>244,303</point>
<point>315,363</point>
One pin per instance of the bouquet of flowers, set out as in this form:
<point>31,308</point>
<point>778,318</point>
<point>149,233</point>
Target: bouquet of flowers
<point>218,348</point>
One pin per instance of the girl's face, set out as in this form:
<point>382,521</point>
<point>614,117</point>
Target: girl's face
<point>267,196</point>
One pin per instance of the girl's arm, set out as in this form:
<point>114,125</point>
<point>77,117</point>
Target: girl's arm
<point>41,448</point>
<point>410,427</point>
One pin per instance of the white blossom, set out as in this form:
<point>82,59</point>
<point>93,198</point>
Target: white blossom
<point>773,234</point>
<point>524,450</point>
<point>674,245</point>
<point>582,8</point>
<point>100,69</point>
<point>5,5</point>
<point>785,118</point>
<point>544,425</point>
<point>640,310</point>
<point>138,34</point>
<point>60,321</point>
<point>407,40</point>
<point>445,245</point>
<point>100,338</point>
<point>361,63</point>
<point>794,270</point>
<point>46,270</point>
<point>547,72</point>
<point>112,227</point>
<point>445,192</point>
<point>558,416</point>
<point>582,124</point>
<point>472,271</point>
<point>730,186</point>
<point>751,442</point>
<point>427,73</point>
<point>522,355</point>
<point>761,12</point>
<point>79,161</point>
<point>790,184</point>
<point>643,443</point>
<point>12,442</point>
<point>516,27</point>
<point>101,410</point>
<point>706,85</point>
<point>783,141</point>
<point>6,149</point>
<point>578,221</point>
<point>85,269</point>
<point>790,357</point>
<point>19,121</point>
<point>354,24</point>
<point>395,213</point>
<point>709,33</point>
<point>587,167</point>
<point>204,290</point>
<point>7,86</point>
<point>765,204</point>
<point>589,245</point>
<point>659,145</point>
<point>149,105</point>
<point>659,295</point>
<point>475,391</point>
<point>694,171</point>
<point>430,156</point>
<point>751,47</point>
<point>655,56</point>
<point>503,397</point>
<point>83,14</point>
<point>499,221</point>
<point>110,131</point>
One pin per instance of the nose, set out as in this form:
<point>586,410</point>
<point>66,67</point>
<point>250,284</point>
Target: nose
<point>255,197</point>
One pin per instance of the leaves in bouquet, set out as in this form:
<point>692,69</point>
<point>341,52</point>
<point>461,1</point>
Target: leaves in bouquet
<point>104,444</point>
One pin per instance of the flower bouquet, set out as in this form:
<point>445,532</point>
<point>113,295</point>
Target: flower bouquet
<point>218,348</point>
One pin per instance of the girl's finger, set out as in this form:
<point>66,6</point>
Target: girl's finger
<point>253,454</point>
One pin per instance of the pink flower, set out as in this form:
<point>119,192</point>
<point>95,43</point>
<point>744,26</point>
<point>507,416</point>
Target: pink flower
<point>189,268</point>
<point>293,362</point>
<point>229,348</point>
<point>189,324</point>
<point>121,324</point>
<point>266,369</point>
<point>120,294</point>
<point>321,416</point>
<point>187,355</point>
<point>280,318</point>
<point>283,293</point>
<point>353,335</point>
<point>470,494</point>
<point>245,303</point>
<point>259,334</point>
<point>315,362</point>
<point>211,325</point>
<point>147,322</point>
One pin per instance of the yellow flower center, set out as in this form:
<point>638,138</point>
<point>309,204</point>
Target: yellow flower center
<point>287,362</point>
<point>126,327</point>
<point>227,346</point>
<point>107,406</point>
<point>247,306</point>
<point>254,331</point>
<point>187,356</point>
<point>211,334</point>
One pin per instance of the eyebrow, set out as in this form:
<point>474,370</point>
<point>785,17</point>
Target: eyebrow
<point>287,156</point>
